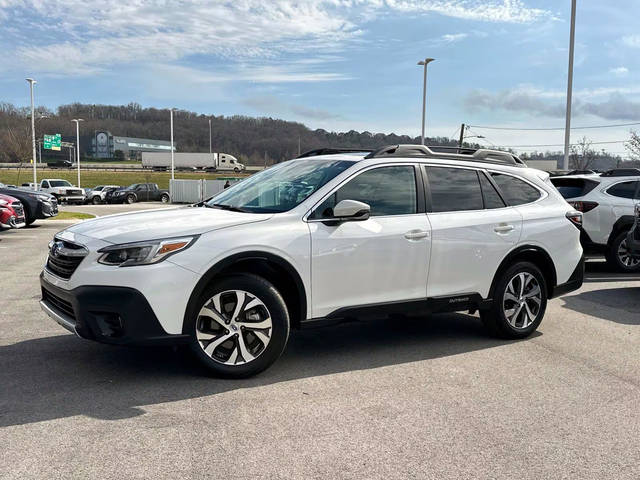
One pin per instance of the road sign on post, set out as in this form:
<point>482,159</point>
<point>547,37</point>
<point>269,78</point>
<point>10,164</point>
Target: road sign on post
<point>52,142</point>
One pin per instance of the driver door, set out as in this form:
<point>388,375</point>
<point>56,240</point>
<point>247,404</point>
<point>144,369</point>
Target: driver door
<point>380,260</point>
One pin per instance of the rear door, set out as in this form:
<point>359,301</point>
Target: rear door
<point>623,197</point>
<point>472,227</point>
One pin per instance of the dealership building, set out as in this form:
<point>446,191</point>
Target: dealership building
<point>104,145</point>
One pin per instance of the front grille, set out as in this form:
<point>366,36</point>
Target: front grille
<point>64,258</point>
<point>17,207</point>
<point>74,192</point>
<point>58,303</point>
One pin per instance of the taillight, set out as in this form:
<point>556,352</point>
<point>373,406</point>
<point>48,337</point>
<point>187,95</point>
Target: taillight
<point>583,206</point>
<point>575,217</point>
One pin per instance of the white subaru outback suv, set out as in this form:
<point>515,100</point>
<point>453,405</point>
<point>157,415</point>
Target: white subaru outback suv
<point>607,203</point>
<point>334,234</point>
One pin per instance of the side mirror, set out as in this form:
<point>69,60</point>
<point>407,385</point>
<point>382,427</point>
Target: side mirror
<point>351,210</point>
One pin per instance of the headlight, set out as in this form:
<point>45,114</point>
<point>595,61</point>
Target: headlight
<point>44,198</point>
<point>144,253</point>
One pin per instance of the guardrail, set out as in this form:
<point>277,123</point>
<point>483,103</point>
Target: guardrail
<point>109,167</point>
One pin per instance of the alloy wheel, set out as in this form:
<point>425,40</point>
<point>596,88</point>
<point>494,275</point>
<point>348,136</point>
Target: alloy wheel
<point>624,256</point>
<point>522,300</point>
<point>234,327</point>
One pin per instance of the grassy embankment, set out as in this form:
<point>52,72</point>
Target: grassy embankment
<point>73,216</point>
<point>91,178</point>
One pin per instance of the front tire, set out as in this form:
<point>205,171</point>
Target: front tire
<point>239,326</point>
<point>619,257</point>
<point>96,200</point>
<point>130,199</point>
<point>519,302</point>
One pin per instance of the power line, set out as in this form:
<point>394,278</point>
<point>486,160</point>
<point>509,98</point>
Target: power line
<point>559,144</point>
<point>558,128</point>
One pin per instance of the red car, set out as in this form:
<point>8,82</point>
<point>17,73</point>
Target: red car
<point>11,212</point>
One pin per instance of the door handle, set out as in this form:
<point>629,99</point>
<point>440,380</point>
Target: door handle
<point>416,234</point>
<point>503,228</point>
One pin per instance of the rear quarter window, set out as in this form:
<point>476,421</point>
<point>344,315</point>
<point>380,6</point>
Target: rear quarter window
<point>514,190</point>
<point>573,187</point>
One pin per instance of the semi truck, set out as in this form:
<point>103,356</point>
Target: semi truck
<point>161,161</point>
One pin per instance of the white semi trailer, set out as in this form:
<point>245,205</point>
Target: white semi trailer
<point>192,161</point>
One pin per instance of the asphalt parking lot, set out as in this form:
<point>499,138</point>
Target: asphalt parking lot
<point>422,398</point>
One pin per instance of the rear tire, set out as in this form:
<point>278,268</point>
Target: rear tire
<point>519,302</point>
<point>239,326</point>
<point>618,255</point>
<point>165,198</point>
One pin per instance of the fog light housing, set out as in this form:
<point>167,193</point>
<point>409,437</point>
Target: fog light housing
<point>110,324</point>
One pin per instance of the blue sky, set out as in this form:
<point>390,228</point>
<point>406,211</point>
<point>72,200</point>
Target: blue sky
<point>338,64</point>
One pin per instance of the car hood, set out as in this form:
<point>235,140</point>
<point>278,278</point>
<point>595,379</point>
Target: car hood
<point>163,223</point>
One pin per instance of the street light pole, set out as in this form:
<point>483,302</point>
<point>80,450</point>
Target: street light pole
<point>567,127</point>
<point>209,135</point>
<point>172,160</point>
<point>78,120</point>
<point>424,62</point>
<point>33,134</point>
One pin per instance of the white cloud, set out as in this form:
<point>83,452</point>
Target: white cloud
<point>619,71</point>
<point>76,37</point>
<point>453,37</point>
<point>632,40</point>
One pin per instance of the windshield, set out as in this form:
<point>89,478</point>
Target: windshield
<point>281,187</point>
<point>59,183</point>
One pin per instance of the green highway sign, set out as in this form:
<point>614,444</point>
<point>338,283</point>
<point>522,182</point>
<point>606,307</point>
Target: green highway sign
<point>52,142</point>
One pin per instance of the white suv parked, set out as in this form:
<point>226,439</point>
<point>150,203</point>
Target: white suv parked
<point>331,235</point>
<point>607,203</point>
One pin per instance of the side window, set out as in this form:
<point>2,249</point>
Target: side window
<point>623,190</point>
<point>514,190</point>
<point>489,193</point>
<point>45,184</point>
<point>388,190</point>
<point>454,189</point>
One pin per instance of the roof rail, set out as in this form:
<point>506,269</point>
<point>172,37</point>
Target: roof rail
<point>464,153</point>
<point>621,172</point>
<point>333,151</point>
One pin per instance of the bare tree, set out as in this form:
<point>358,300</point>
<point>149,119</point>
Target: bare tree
<point>16,143</point>
<point>582,155</point>
<point>633,146</point>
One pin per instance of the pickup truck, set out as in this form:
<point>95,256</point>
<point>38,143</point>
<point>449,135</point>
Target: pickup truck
<point>62,190</point>
<point>138,192</point>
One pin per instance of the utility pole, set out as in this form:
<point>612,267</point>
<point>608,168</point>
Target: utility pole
<point>33,134</point>
<point>567,128</point>
<point>462,127</point>
<point>78,120</point>
<point>172,159</point>
<point>298,145</point>
<point>209,135</point>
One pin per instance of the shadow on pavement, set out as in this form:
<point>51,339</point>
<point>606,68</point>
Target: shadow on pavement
<point>619,305</point>
<point>61,376</point>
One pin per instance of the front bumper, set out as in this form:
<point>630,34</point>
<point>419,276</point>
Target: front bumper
<point>71,198</point>
<point>574,283</point>
<point>115,315</point>
<point>47,209</point>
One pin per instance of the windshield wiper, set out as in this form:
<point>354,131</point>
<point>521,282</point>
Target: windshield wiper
<point>231,208</point>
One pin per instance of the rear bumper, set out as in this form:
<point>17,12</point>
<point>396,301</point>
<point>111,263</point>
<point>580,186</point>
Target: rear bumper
<point>574,283</point>
<point>114,315</point>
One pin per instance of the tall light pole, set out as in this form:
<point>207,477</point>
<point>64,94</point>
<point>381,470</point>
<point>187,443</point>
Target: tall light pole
<point>78,120</point>
<point>567,127</point>
<point>32,82</point>
<point>424,62</point>
<point>172,160</point>
<point>209,135</point>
